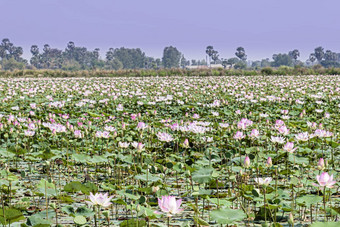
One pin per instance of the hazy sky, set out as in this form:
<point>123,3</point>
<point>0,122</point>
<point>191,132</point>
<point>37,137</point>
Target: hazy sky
<point>262,27</point>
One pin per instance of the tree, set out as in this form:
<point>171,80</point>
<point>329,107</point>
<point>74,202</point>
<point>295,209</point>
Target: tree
<point>331,59</point>
<point>224,62</point>
<point>294,54</point>
<point>35,50</point>
<point>130,58</point>
<point>113,64</point>
<point>214,56</point>
<point>312,58</point>
<point>109,54</point>
<point>232,61</point>
<point>171,57</point>
<point>51,58</point>
<point>184,62</point>
<point>12,64</point>
<point>265,62</point>
<point>319,53</point>
<point>282,59</point>
<point>10,56</point>
<point>241,53</point>
<point>209,51</point>
<point>256,64</point>
<point>331,56</point>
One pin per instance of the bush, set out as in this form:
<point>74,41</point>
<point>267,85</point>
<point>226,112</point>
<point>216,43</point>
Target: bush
<point>267,71</point>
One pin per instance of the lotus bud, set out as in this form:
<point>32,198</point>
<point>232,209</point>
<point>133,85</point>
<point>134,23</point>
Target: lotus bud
<point>246,162</point>
<point>140,146</point>
<point>291,219</point>
<point>269,162</point>
<point>123,126</point>
<point>321,164</point>
<point>186,143</point>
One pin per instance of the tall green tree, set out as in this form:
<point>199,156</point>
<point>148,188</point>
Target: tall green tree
<point>319,53</point>
<point>10,55</point>
<point>184,62</point>
<point>171,57</point>
<point>241,53</point>
<point>312,58</point>
<point>130,58</point>
<point>294,54</point>
<point>214,56</point>
<point>209,51</point>
<point>282,59</point>
<point>331,59</point>
<point>232,61</point>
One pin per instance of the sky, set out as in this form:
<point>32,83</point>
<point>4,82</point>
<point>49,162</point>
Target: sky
<point>262,27</point>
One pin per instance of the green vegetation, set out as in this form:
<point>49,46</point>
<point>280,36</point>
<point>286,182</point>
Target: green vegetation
<point>75,58</point>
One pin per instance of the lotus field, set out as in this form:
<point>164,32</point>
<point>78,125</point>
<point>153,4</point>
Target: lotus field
<point>171,151</point>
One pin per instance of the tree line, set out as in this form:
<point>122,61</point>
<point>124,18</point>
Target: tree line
<point>75,58</point>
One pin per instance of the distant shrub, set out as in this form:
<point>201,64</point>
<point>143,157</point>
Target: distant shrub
<point>267,71</point>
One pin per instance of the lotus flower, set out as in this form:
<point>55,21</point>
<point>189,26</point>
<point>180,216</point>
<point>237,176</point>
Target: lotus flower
<point>165,137</point>
<point>169,205</point>
<point>325,180</point>
<point>239,135</point>
<point>277,139</point>
<point>266,181</point>
<point>254,133</point>
<point>99,199</point>
<point>289,147</point>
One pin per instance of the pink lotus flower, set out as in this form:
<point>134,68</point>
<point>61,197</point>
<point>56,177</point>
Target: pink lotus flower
<point>239,135</point>
<point>78,134</point>
<point>254,133</point>
<point>325,180</point>
<point>29,133</point>
<point>266,181</point>
<point>141,125</point>
<point>99,199</point>
<point>304,136</point>
<point>169,205</point>
<point>277,139</point>
<point>165,137</point>
<point>283,130</point>
<point>289,147</point>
